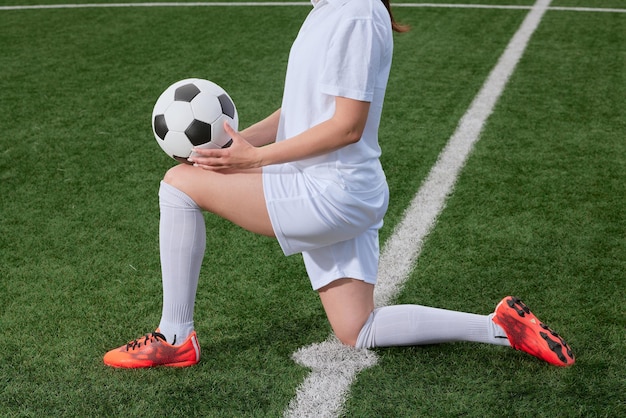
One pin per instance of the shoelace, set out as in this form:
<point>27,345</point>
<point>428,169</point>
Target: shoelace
<point>148,338</point>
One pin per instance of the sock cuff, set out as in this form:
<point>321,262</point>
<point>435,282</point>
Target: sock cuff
<point>175,197</point>
<point>365,338</point>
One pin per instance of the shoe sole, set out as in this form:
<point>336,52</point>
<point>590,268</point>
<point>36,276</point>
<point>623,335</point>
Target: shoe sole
<point>132,363</point>
<point>149,366</point>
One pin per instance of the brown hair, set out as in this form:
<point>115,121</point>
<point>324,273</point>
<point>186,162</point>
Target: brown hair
<point>398,27</point>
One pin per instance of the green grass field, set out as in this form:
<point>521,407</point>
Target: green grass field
<point>539,212</point>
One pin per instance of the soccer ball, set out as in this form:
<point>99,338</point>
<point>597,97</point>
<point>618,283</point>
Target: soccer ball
<point>191,113</point>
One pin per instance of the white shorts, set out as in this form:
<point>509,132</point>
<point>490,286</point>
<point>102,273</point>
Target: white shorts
<point>335,230</point>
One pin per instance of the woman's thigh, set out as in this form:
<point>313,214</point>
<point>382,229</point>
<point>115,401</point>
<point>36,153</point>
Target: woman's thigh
<point>234,195</point>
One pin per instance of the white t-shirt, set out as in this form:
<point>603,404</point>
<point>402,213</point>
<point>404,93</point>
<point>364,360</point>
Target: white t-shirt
<point>344,48</point>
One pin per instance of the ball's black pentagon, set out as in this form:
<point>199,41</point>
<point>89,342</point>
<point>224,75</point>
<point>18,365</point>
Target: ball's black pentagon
<point>198,132</point>
<point>186,93</point>
<point>182,160</point>
<point>160,126</point>
<point>228,107</point>
<point>228,144</point>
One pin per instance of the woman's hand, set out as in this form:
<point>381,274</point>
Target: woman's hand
<point>240,155</point>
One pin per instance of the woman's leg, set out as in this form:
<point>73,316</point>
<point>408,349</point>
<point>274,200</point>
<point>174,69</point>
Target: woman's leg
<point>182,242</point>
<point>349,306</point>
<point>184,192</point>
<point>182,235</point>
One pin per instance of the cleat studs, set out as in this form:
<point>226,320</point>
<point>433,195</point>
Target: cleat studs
<point>518,306</point>
<point>555,347</point>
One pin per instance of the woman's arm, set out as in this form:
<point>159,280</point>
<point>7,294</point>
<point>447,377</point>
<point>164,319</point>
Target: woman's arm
<point>345,127</point>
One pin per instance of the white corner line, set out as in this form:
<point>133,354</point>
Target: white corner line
<point>334,366</point>
<point>156,4</point>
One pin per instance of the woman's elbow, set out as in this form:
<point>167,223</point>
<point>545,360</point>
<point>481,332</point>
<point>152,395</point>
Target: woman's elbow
<point>353,135</point>
<point>353,139</point>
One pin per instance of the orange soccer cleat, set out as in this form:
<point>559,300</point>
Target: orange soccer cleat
<point>526,333</point>
<point>153,350</point>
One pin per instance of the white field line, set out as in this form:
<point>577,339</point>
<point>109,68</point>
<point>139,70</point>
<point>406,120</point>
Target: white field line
<point>334,366</point>
<point>505,7</point>
<point>288,3</point>
<point>587,9</point>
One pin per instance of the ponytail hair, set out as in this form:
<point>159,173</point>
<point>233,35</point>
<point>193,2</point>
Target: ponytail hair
<point>397,27</point>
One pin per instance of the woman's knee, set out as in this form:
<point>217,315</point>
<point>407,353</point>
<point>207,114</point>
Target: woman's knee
<point>176,175</point>
<point>186,178</point>
<point>348,337</point>
<point>348,304</point>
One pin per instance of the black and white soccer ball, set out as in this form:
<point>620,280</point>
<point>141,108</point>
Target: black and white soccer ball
<point>191,113</point>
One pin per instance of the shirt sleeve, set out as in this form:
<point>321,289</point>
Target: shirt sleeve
<point>353,60</point>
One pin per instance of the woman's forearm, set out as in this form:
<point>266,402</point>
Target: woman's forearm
<point>344,128</point>
<point>264,131</point>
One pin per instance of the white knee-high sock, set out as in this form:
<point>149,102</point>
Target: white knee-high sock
<point>403,325</point>
<point>182,239</point>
